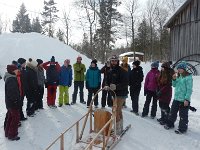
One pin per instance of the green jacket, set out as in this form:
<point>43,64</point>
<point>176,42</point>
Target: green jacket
<point>79,70</point>
<point>183,88</point>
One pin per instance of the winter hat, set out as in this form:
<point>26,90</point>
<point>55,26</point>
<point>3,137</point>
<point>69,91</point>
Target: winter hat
<point>33,62</point>
<point>155,64</point>
<point>52,59</point>
<point>39,61</point>
<point>79,58</point>
<point>136,63</point>
<point>94,61</point>
<point>114,57</point>
<point>11,68</point>
<point>166,65</point>
<point>125,59</point>
<point>21,60</point>
<point>182,65</point>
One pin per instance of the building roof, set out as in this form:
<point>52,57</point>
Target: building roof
<point>177,13</point>
<point>130,53</point>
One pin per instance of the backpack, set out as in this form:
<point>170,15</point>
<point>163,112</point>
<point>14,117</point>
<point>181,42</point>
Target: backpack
<point>52,75</point>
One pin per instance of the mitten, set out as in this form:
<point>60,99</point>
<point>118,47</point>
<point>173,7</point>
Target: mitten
<point>113,87</point>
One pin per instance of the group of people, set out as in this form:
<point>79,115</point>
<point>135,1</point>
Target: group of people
<point>158,87</point>
<point>28,79</point>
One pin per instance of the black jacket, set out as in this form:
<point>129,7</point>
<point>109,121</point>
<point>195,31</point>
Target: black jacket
<point>136,77</point>
<point>119,77</point>
<point>105,71</point>
<point>12,94</point>
<point>32,82</point>
<point>23,80</point>
<point>52,75</point>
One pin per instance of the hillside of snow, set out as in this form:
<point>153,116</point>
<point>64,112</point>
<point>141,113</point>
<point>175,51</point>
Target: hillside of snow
<point>39,131</point>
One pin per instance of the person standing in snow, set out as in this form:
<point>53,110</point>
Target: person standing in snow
<point>164,92</point>
<point>106,95</point>
<point>135,79</point>
<point>127,68</point>
<point>12,100</point>
<point>40,86</point>
<point>65,81</point>
<point>21,63</point>
<point>32,84</point>
<point>52,78</point>
<point>118,82</point>
<point>150,88</point>
<point>79,77</point>
<point>93,82</point>
<point>183,84</point>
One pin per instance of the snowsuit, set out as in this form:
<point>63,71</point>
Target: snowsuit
<point>150,88</point>
<point>52,79</point>
<point>40,88</point>
<point>183,91</point>
<point>119,77</point>
<point>65,81</point>
<point>31,91</point>
<point>12,100</point>
<point>164,93</point>
<point>93,83</point>
<point>106,95</point>
<point>135,79</point>
<point>79,77</point>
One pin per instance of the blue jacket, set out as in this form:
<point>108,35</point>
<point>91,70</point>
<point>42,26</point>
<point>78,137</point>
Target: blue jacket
<point>93,78</point>
<point>65,76</point>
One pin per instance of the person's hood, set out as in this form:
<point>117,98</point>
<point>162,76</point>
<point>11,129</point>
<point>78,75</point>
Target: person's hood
<point>8,75</point>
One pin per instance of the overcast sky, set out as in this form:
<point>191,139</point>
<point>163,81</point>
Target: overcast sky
<point>9,9</point>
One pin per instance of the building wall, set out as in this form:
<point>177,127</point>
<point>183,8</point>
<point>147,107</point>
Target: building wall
<point>185,31</point>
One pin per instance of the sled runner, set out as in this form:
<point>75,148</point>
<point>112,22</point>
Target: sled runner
<point>102,129</point>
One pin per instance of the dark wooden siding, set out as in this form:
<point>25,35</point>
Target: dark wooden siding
<point>185,31</point>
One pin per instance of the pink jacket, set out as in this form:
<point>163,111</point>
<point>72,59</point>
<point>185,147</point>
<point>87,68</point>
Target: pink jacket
<point>151,80</point>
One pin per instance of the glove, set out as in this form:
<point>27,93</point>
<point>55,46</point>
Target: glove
<point>113,87</point>
<point>106,88</point>
<point>145,92</point>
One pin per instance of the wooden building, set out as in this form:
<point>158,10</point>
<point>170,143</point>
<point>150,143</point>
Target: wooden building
<point>185,31</point>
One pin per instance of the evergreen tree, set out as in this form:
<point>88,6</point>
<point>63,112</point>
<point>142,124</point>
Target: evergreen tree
<point>22,22</point>
<point>60,35</point>
<point>36,26</point>
<point>49,16</point>
<point>85,45</point>
<point>143,38</point>
<point>107,19</point>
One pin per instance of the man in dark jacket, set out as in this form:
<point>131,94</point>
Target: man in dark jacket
<point>118,82</point>
<point>12,100</point>
<point>31,92</point>
<point>40,87</point>
<point>52,74</point>
<point>135,79</point>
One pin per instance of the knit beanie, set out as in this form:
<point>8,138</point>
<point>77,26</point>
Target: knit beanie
<point>166,65</point>
<point>52,59</point>
<point>94,61</point>
<point>39,61</point>
<point>182,65</point>
<point>21,60</point>
<point>136,63</point>
<point>11,68</point>
<point>155,64</point>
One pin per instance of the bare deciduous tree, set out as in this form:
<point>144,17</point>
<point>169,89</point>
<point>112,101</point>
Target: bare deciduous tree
<point>131,7</point>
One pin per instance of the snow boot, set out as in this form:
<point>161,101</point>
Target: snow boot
<point>179,131</point>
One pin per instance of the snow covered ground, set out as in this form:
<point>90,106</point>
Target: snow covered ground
<point>38,132</point>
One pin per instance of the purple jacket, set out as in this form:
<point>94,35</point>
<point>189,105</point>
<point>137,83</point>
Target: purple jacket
<point>151,80</point>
